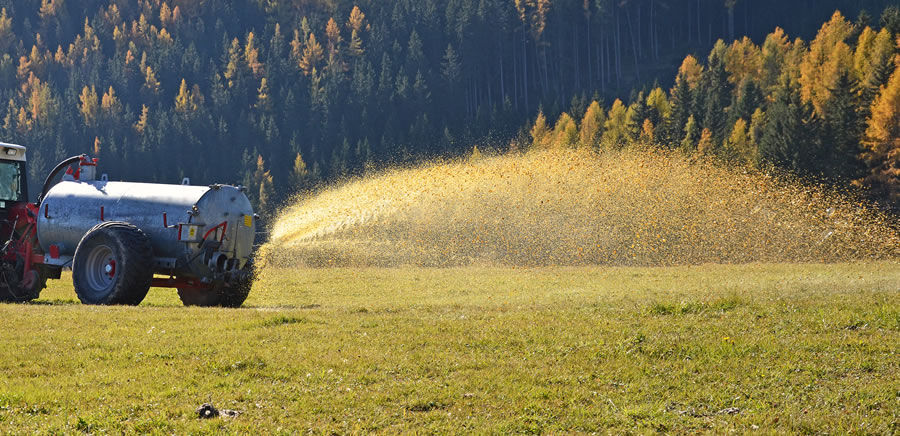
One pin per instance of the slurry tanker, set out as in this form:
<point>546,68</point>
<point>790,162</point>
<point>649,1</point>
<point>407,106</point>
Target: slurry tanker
<point>121,238</point>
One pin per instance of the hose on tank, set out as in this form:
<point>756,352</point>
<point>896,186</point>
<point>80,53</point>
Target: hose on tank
<point>59,167</point>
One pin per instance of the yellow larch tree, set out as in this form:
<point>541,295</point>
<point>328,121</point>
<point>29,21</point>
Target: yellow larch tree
<point>690,70</point>
<point>539,131</point>
<point>312,55</point>
<point>89,105</point>
<point>591,126</point>
<point>705,146</point>
<point>882,143</point>
<point>565,132</point>
<point>743,60</point>
<point>828,57</point>
<point>617,128</point>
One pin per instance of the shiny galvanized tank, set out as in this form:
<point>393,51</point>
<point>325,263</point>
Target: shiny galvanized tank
<point>180,220</point>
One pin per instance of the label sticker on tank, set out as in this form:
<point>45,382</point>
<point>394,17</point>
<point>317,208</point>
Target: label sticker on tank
<point>188,232</point>
<point>248,220</point>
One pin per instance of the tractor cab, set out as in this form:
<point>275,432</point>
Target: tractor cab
<point>13,188</point>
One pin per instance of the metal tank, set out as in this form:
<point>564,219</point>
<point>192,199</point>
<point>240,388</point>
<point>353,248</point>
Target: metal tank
<point>195,231</point>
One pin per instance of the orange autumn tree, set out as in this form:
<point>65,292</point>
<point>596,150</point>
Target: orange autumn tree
<point>882,142</point>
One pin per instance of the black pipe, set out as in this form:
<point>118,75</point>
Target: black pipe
<point>59,167</point>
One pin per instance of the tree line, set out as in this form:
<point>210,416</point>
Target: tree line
<point>827,109</point>
<point>282,95</point>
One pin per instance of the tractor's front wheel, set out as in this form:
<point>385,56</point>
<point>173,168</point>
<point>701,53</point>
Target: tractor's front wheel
<point>19,291</point>
<point>113,264</point>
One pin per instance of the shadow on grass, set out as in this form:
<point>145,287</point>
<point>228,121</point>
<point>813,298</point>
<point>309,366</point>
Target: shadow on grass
<point>53,302</point>
<point>692,307</point>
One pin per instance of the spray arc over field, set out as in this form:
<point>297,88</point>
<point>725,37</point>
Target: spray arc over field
<point>566,207</point>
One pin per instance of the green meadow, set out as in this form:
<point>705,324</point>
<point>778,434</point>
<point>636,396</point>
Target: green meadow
<point>805,348</point>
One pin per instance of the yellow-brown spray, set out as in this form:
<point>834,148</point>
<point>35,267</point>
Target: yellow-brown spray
<point>568,207</point>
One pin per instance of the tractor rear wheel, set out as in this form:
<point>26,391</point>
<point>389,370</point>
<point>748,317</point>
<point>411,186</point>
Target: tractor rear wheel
<point>113,264</point>
<point>20,291</point>
<point>221,294</point>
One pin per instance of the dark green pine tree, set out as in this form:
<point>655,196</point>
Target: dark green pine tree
<point>788,139</point>
<point>714,96</point>
<point>641,111</point>
<point>871,85</point>
<point>681,100</point>
<point>842,130</point>
<point>748,98</point>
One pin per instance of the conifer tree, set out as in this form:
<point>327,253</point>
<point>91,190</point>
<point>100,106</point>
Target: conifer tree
<point>263,186</point>
<point>539,131</point>
<point>828,57</point>
<point>691,135</point>
<point>774,54</point>
<point>882,143</point>
<point>451,67</point>
<point>748,98</point>
<point>680,111</point>
<point>7,35</point>
<point>251,55</point>
<point>715,95</point>
<point>646,136</point>
<point>619,128</point>
<point>705,145</point>
<point>565,132</point>
<point>312,55</point>
<point>90,107</point>
<point>842,130</point>
<point>592,126</point>
<point>141,123</point>
<point>183,98</point>
<point>738,147</point>
<point>788,139</point>
<point>659,109</point>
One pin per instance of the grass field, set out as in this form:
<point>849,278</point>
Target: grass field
<point>799,348</point>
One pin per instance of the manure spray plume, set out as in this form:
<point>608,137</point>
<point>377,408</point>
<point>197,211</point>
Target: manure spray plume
<point>566,207</point>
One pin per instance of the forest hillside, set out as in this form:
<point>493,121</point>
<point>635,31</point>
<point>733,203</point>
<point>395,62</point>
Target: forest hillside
<point>282,95</point>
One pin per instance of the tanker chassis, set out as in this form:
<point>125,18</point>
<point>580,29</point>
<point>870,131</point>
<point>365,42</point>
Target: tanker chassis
<point>121,238</point>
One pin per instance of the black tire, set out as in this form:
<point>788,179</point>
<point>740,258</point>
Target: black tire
<point>15,293</point>
<point>113,264</point>
<point>222,295</point>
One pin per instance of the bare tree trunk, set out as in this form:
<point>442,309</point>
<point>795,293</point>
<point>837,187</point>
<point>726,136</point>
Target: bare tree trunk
<point>731,23</point>
<point>607,49</point>
<point>600,75</point>
<point>502,88</point>
<point>575,57</point>
<point>634,49</point>
<point>490,95</point>
<point>747,18</point>
<point>688,21</point>
<point>618,51</point>
<point>515,77</point>
<point>589,64</point>
<point>468,101</point>
<point>654,31</point>
<point>525,66</point>
<point>546,85</point>
<point>699,36</point>
<point>640,42</point>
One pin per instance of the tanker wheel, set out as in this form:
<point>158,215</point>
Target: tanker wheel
<point>113,264</point>
<point>222,295</point>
